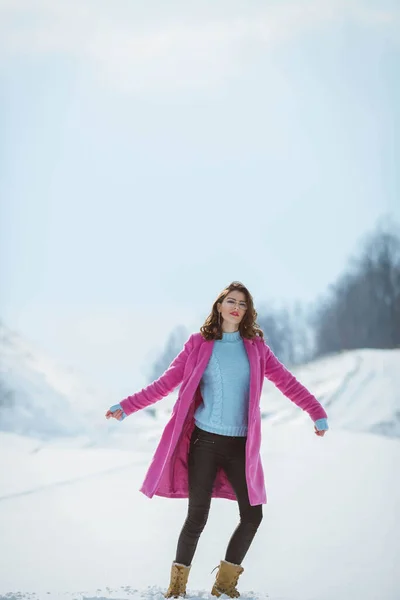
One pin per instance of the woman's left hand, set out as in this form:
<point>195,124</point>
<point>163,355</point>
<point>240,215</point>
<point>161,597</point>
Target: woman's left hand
<point>318,432</point>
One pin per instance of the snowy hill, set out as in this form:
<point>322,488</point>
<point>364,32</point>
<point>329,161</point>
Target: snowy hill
<point>46,400</point>
<point>359,389</point>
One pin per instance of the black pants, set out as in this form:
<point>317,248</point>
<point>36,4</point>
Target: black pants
<point>207,453</point>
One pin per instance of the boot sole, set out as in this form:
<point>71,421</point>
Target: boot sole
<point>216,592</point>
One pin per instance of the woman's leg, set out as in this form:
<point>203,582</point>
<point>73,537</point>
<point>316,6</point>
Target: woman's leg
<point>250,516</point>
<point>202,472</point>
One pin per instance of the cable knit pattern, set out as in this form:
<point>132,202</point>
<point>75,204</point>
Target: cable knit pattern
<point>225,388</point>
<point>216,386</point>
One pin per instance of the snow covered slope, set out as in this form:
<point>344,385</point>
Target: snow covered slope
<point>47,400</point>
<point>360,390</point>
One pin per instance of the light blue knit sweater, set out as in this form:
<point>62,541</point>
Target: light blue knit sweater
<point>225,388</point>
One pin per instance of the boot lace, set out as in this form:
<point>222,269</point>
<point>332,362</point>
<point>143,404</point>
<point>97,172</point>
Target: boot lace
<point>230,589</point>
<point>177,588</point>
<point>180,584</point>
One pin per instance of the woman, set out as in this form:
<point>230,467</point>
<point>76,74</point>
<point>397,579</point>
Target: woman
<point>211,445</point>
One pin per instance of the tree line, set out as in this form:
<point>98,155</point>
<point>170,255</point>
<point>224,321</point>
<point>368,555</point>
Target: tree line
<point>359,310</point>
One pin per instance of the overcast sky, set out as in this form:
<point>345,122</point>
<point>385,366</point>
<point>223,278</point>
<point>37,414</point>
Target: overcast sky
<point>152,152</point>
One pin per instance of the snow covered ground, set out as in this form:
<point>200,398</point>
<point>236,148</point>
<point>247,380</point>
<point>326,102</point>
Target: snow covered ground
<point>74,525</point>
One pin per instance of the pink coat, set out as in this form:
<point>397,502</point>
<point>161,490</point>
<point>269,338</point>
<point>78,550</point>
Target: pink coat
<point>168,472</point>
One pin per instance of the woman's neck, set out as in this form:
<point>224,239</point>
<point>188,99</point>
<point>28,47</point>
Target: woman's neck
<point>228,328</point>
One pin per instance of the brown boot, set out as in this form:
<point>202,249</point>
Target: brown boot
<point>179,577</point>
<point>226,580</point>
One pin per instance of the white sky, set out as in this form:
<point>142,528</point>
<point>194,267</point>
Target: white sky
<point>152,153</point>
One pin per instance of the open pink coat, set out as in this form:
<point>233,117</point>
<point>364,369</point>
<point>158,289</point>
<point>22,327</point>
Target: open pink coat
<point>168,472</point>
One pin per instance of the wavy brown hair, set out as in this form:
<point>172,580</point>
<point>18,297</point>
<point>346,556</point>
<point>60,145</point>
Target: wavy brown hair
<point>212,330</point>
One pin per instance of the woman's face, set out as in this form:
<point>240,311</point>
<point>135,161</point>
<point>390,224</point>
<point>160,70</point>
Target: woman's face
<point>233,308</point>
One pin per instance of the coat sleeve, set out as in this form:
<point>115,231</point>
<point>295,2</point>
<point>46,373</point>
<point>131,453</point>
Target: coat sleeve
<point>163,386</point>
<point>287,383</point>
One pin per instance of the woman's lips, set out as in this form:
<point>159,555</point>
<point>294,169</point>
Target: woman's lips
<point>235,314</point>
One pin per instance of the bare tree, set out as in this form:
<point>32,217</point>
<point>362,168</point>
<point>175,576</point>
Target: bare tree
<point>6,396</point>
<point>287,332</point>
<point>362,309</point>
<point>173,346</point>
